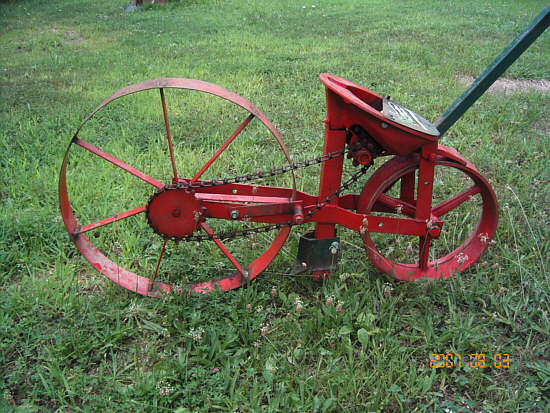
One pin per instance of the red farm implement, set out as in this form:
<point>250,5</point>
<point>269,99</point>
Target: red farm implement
<point>425,212</point>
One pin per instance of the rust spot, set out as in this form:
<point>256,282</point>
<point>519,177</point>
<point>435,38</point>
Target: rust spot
<point>76,233</point>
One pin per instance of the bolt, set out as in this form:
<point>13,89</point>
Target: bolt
<point>384,125</point>
<point>234,214</point>
<point>434,231</point>
<point>334,248</point>
<point>196,216</point>
<point>176,213</point>
<point>234,191</point>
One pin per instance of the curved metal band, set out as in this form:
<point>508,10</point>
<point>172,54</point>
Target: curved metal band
<point>201,86</point>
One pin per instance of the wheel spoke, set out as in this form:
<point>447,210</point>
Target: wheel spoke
<point>223,147</point>
<point>222,247</point>
<point>110,220</point>
<point>158,265</point>
<point>168,136</point>
<point>450,204</point>
<point>117,162</point>
<point>392,204</point>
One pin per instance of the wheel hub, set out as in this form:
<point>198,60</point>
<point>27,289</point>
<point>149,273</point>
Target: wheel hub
<point>174,212</point>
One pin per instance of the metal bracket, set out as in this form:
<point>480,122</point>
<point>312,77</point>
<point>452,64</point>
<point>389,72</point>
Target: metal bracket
<point>316,254</point>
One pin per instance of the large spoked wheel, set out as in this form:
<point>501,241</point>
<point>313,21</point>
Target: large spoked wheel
<point>462,199</point>
<point>124,187</point>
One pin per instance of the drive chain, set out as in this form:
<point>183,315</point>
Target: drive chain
<point>191,186</point>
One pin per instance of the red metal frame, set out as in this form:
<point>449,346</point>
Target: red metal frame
<point>348,105</point>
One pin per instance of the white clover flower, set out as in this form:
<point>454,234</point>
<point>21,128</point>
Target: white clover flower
<point>344,276</point>
<point>196,334</point>
<point>165,389</point>
<point>484,238</point>
<point>461,258</point>
<point>299,305</point>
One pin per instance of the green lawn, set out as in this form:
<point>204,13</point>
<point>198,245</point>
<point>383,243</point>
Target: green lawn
<point>71,340</point>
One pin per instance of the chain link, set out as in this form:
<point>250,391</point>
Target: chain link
<point>263,174</point>
<point>252,177</point>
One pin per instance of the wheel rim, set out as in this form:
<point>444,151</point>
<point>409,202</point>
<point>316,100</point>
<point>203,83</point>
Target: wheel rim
<point>462,200</point>
<point>164,166</point>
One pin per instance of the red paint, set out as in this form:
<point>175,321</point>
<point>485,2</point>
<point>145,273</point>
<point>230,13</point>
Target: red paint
<point>411,212</point>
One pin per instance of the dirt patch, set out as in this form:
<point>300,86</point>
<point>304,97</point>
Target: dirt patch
<point>73,37</point>
<point>508,86</point>
<point>70,36</point>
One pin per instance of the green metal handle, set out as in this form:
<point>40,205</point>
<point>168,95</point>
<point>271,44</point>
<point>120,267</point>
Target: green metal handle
<point>492,73</point>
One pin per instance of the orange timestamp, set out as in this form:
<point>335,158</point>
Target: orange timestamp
<point>472,360</point>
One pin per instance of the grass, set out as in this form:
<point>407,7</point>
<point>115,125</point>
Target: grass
<point>70,340</point>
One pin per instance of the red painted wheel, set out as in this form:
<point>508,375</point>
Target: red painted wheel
<point>462,200</point>
<point>122,170</point>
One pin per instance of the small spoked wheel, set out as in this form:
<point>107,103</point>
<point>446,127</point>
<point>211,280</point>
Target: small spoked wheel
<point>462,201</point>
<point>146,179</point>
